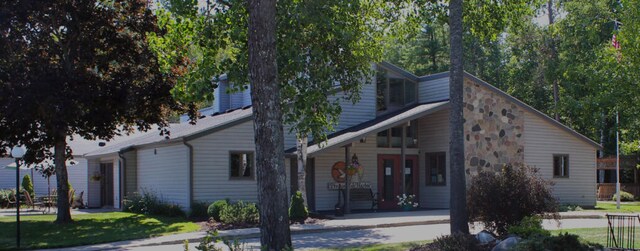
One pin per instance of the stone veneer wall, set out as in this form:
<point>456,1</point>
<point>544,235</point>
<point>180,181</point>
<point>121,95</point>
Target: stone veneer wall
<point>493,130</point>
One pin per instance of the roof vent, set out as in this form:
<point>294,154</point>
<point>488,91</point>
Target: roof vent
<point>230,110</point>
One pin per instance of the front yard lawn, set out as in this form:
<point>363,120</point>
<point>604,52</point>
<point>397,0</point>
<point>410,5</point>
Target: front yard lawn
<point>40,231</point>
<point>593,235</point>
<point>625,207</point>
<point>402,246</point>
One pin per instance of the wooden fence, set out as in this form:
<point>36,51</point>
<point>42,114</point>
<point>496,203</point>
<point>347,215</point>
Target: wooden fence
<point>607,190</point>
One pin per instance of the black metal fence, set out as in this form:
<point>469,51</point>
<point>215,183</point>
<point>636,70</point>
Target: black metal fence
<point>622,231</point>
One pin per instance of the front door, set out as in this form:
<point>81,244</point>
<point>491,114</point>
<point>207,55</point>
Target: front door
<point>106,184</point>
<point>390,179</point>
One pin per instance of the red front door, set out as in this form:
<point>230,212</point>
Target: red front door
<point>390,179</point>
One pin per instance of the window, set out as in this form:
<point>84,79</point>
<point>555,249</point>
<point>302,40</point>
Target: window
<point>241,165</point>
<point>561,166</point>
<point>436,164</point>
<point>393,137</point>
<point>393,93</point>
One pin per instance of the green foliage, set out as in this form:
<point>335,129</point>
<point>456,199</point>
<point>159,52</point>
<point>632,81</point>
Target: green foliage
<point>565,242</point>
<point>528,227</point>
<point>506,198</point>
<point>6,196</point>
<point>455,242</point>
<point>297,210</point>
<point>87,65</point>
<point>216,207</point>
<point>199,209</point>
<point>240,213</point>
<point>624,196</point>
<point>27,185</point>
<point>212,241</point>
<point>149,203</point>
<point>569,207</point>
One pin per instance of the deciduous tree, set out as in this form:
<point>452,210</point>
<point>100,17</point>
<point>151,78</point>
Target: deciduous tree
<point>72,68</point>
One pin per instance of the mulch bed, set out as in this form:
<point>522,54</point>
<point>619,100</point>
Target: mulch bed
<point>214,225</point>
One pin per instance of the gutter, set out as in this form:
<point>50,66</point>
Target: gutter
<point>122,178</point>
<point>190,188</point>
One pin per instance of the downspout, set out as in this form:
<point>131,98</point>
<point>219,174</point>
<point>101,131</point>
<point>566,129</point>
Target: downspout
<point>190,190</point>
<point>121,178</point>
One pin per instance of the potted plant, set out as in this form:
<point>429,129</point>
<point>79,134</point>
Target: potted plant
<point>96,176</point>
<point>407,202</point>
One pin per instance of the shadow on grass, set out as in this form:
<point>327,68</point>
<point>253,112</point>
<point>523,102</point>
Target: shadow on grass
<point>41,232</point>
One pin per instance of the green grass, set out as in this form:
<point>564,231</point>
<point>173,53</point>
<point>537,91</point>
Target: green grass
<point>627,207</point>
<point>402,246</point>
<point>593,235</point>
<point>40,231</point>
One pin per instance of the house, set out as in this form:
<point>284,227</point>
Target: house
<point>397,133</point>
<point>98,178</point>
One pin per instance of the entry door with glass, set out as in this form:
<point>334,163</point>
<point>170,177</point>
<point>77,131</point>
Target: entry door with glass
<point>390,179</point>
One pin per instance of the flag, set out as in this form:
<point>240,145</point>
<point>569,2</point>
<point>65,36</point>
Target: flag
<point>615,43</point>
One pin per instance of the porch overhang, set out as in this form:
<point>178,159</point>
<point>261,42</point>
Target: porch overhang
<point>355,133</point>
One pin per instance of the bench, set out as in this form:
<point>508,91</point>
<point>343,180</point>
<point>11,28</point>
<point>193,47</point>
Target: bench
<point>363,194</point>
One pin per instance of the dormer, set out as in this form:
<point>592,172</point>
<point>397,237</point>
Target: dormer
<point>394,90</point>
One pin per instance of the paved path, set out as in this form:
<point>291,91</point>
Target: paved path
<point>355,238</point>
<point>353,230</point>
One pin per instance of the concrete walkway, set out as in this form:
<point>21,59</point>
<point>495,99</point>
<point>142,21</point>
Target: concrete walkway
<point>355,229</point>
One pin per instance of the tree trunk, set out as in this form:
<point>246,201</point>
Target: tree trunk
<point>458,206</point>
<point>302,170</point>
<point>267,123</point>
<point>64,213</point>
<point>554,55</point>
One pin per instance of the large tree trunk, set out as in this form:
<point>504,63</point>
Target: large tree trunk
<point>64,213</point>
<point>267,122</point>
<point>458,202</point>
<point>301,146</point>
<point>553,59</point>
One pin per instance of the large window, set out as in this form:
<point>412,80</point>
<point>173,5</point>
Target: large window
<point>393,93</point>
<point>561,166</point>
<point>241,165</point>
<point>393,137</point>
<point>436,164</point>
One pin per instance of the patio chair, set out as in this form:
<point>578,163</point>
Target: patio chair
<point>78,202</point>
<point>30,202</point>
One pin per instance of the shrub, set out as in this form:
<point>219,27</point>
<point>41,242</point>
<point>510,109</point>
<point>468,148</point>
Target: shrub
<point>27,185</point>
<point>565,242</point>
<point>216,207</point>
<point>455,242</point>
<point>240,213</point>
<point>504,199</point>
<point>569,207</point>
<point>297,210</point>
<point>530,226</point>
<point>199,209</point>
<point>6,196</point>
<point>624,196</point>
<point>148,203</point>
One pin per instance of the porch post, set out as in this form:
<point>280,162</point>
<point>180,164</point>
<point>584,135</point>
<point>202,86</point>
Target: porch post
<point>403,157</point>
<point>347,180</point>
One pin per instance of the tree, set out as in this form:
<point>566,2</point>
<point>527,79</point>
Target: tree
<point>458,209</point>
<point>325,51</point>
<point>267,120</point>
<point>72,68</point>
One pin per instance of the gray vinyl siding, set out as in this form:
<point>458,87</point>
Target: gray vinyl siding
<point>433,90</point>
<point>246,96</point>
<point>367,155</point>
<point>353,114</point>
<point>433,136</point>
<point>165,173</point>
<point>236,100</point>
<point>542,141</point>
<point>93,167</point>
<point>223,97</point>
<point>211,165</point>
<point>130,178</point>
